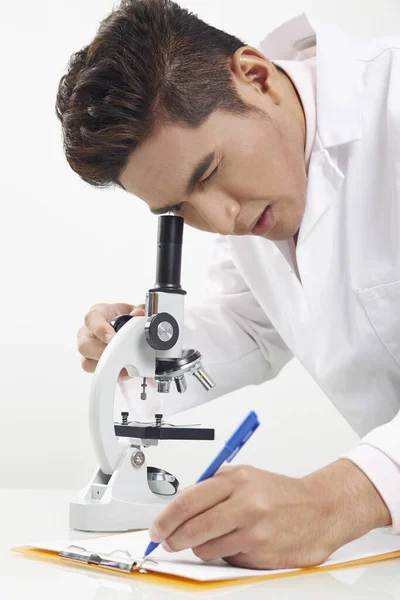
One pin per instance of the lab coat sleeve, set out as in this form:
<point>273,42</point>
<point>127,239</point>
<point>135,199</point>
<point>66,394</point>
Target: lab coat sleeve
<point>378,456</point>
<point>239,345</point>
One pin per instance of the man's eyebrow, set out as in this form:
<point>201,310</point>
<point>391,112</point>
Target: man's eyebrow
<point>197,173</point>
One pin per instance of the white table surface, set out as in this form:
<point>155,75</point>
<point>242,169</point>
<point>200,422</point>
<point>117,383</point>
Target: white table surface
<point>28,515</point>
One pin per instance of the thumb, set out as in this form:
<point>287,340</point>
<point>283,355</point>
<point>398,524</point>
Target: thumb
<point>138,311</point>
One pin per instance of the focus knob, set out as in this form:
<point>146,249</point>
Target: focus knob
<point>120,322</point>
<point>162,331</point>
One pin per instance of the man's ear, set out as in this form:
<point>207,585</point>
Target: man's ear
<point>251,67</point>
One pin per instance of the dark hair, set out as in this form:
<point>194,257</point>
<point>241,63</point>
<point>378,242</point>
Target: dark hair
<point>150,61</point>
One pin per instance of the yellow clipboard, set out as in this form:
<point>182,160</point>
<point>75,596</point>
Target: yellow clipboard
<point>191,585</point>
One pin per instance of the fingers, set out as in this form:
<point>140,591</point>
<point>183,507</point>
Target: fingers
<point>138,311</point>
<point>212,524</point>
<point>246,560</point>
<point>188,504</point>
<point>110,311</point>
<point>98,319</point>
<point>97,332</point>
<point>230,547</point>
<point>123,376</point>
<point>89,365</point>
<point>88,345</point>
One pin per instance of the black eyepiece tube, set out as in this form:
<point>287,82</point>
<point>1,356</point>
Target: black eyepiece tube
<point>169,253</point>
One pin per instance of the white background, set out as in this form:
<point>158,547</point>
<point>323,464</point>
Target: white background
<point>65,246</point>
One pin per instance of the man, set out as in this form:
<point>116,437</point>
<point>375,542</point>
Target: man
<point>295,164</point>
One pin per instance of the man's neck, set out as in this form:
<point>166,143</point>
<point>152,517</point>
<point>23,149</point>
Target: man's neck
<point>295,103</point>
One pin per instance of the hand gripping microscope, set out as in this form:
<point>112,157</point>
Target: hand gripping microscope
<point>124,492</point>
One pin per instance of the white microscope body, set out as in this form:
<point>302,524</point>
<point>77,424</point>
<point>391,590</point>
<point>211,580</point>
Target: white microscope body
<point>124,492</point>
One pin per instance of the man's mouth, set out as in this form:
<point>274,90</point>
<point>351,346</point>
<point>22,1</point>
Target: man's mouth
<point>265,222</point>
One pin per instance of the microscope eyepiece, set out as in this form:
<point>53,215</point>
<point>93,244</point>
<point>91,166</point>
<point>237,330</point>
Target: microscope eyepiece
<point>170,230</point>
<point>169,254</point>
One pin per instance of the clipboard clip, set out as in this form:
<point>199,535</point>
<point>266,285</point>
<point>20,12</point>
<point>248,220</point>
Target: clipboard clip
<point>118,560</point>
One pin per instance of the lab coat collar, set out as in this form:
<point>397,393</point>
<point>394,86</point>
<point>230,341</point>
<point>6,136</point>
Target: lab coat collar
<point>338,74</point>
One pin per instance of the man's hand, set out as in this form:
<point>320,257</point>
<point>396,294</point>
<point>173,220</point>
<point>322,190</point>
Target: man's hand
<point>97,332</point>
<point>257,519</point>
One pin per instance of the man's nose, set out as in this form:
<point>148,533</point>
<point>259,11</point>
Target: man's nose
<point>219,212</point>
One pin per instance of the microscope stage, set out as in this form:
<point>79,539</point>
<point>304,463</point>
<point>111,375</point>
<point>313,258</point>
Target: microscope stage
<point>165,432</point>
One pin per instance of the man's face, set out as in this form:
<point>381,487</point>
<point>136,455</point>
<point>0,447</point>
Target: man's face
<point>225,173</point>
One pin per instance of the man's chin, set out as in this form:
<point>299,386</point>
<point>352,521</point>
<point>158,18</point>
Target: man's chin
<point>281,234</point>
<point>286,227</point>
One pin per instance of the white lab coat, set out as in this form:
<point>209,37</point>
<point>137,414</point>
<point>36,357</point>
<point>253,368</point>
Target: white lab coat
<point>342,321</point>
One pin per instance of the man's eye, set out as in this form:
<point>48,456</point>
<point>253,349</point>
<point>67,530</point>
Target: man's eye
<point>203,182</point>
<point>177,208</point>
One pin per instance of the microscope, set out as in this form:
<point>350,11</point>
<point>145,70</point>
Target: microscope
<point>125,493</point>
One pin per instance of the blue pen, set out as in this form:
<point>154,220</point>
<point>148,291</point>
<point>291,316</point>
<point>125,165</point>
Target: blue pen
<point>229,451</point>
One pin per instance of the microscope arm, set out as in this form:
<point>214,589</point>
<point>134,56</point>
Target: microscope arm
<point>128,349</point>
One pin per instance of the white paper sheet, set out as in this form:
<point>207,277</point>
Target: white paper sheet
<point>186,564</point>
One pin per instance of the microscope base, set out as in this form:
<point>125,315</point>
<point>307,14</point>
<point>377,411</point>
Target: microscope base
<point>115,516</point>
<point>120,502</point>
